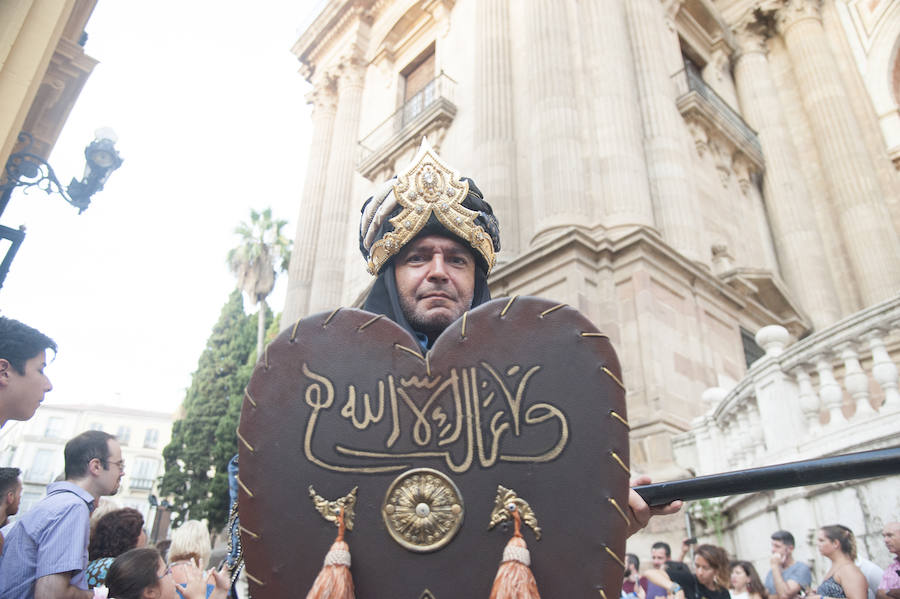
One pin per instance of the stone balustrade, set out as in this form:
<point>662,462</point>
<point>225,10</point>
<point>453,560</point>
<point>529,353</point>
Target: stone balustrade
<point>833,392</point>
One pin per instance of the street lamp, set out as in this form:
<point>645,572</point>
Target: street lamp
<point>28,170</point>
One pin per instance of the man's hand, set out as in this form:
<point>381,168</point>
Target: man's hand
<point>57,586</point>
<point>641,512</point>
<point>775,560</point>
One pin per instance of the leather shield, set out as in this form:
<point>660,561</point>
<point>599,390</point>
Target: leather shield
<point>524,394</point>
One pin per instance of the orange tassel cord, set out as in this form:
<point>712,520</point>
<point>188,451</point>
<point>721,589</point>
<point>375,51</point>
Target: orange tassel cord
<point>514,579</point>
<point>334,580</point>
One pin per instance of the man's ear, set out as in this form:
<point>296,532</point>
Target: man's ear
<point>94,466</point>
<point>5,367</point>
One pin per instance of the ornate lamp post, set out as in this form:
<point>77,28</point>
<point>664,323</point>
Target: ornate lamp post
<point>28,170</point>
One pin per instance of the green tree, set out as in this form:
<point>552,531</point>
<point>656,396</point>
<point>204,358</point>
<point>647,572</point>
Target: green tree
<point>204,439</point>
<point>262,247</point>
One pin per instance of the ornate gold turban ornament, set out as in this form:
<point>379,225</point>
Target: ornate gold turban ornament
<point>427,187</point>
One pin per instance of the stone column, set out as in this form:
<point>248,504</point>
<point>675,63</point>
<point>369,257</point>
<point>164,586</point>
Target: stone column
<point>303,255</point>
<point>791,213</point>
<point>339,208</point>
<point>495,148</point>
<point>555,148</point>
<point>868,234</point>
<point>617,169</point>
<point>666,147</point>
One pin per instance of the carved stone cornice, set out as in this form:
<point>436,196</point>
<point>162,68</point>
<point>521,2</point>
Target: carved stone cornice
<point>351,71</point>
<point>796,11</point>
<point>751,34</point>
<point>335,20</point>
<point>323,96</point>
<point>744,169</point>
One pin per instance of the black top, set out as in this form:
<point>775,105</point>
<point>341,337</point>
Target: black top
<point>692,587</point>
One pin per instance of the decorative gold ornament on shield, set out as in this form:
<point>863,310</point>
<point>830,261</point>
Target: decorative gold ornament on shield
<point>422,510</point>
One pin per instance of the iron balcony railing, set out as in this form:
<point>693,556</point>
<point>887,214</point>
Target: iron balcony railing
<point>696,83</point>
<point>437,91</point>
<point>141,483</point>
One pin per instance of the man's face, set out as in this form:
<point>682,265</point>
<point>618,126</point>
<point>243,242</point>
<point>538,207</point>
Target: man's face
<point>435,278</point>
<point>15,497</point>
<point>891,535</point>
<point>658,557</point>
<point>23,393</point>
<point>782,549</point>
<point>110,477</point>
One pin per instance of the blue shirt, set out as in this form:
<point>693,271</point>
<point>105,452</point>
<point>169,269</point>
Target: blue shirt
<point>798,572</point>
<point>51,538</point>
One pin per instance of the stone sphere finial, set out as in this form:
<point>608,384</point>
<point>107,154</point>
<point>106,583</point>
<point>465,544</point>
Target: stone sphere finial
<point>713,396</point>
<point>773,339</point>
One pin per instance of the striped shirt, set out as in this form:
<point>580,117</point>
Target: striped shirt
<point>51,538</point>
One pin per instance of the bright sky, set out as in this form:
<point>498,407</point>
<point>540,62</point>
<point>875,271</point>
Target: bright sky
<point>211,118</point>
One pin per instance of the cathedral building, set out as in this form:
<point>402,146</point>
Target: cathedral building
<point>713,183</point>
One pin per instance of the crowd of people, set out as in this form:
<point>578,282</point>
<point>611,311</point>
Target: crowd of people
<point>715,576</point>
<point>71,545</point>
<point>64,547</point>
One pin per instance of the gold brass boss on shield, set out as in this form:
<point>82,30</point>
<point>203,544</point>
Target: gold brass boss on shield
<point>422,510</point>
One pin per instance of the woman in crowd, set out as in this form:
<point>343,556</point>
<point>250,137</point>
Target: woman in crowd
<point>709,580</point>
<point>142,574</point>
<point>745,582</point>
<point>190,547</point>
<point>844,579</point>
<point>190,541</point>
<point>115,533</point>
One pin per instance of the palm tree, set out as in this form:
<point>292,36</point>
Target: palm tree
<point>253,262</point>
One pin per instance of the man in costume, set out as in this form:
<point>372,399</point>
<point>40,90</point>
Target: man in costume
<point>433,265</point>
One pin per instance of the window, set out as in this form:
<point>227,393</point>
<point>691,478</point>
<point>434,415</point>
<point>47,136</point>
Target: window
<point>418,74</point>
<point>752,352</point>
<point>144,474</point>
<point>54,428</point>
<point>123,435</point>
<point>151,438</point>
<point>41,471</point>
<point>96,426</point>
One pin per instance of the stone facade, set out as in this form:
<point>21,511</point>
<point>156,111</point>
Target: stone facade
<point>43,68</point>
<point>684,172</point>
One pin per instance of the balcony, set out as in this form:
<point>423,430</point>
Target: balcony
<point>833,392</point>
<point>697,99</point>
<point>37,477</point>
<point>429,112</point>
<point>141,484</point>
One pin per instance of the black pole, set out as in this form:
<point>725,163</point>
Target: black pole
<point>865,464</point>
<point>15,236</point>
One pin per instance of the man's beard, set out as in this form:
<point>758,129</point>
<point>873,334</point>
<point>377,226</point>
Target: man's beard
<point>431,325</point>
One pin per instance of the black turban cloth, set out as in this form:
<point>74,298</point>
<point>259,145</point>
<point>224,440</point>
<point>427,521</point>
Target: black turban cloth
<point>474,200</point>
<point>384,298</point>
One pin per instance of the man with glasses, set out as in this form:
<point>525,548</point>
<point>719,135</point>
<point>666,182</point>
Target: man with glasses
<point>45,553</point>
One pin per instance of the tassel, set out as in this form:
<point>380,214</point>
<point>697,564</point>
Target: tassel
<point>514,578</point>
<point>334,580</point>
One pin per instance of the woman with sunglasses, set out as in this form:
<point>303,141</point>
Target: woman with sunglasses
<point>142,574</point>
